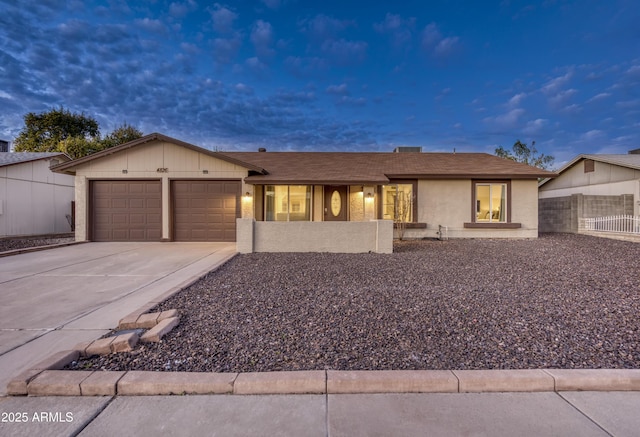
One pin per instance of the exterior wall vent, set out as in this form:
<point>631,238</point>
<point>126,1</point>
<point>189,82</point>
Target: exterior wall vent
<point>589,165</point>
<point>407,149</point>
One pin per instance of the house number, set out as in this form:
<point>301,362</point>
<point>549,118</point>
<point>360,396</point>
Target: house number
<point>336,203</point>
<point>162,170</point>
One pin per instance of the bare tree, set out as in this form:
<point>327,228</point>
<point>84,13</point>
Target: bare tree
<point>403,204</point>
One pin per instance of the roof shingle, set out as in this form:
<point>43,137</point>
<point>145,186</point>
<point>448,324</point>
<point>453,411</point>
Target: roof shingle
<point>378,168</point>
<point>11,158</point>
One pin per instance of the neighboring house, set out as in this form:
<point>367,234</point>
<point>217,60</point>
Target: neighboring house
<point>590,186</point>
<point>33,199</point>
<point>158,188</point>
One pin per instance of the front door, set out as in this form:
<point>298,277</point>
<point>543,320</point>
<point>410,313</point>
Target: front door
<point>335,203</point>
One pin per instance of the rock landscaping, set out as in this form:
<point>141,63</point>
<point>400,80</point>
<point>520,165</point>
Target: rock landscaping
<point>562,301</point>
<point>10,244</point>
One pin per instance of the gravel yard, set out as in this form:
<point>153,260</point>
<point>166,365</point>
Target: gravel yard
<point>7,244</point>
<point>561,301</point>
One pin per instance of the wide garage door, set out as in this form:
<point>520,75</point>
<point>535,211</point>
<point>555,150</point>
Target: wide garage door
<point>205,210</point>
<point>126,211</point>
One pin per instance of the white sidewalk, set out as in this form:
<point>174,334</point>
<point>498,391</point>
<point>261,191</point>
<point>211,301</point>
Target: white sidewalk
<point>438,414</point>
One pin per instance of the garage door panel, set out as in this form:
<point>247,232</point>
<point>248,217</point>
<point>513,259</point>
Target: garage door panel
<point>153,203</point>
<point>126,210</point>
<point>117,189</point>
<point>205,210</point>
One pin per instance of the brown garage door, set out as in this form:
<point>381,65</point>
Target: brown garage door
<point>205,210</point>
<point>126,211</point>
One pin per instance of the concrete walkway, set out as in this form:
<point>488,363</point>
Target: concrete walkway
<point>53,299</point>
<point>437,414</point>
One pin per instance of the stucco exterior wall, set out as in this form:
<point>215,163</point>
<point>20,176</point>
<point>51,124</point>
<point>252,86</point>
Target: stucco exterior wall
<point>155,160</point>
<point>605,180</point>
<point>603,173</point>
<point>336,237</point>
<point>34,200</point>
<point>448,203</point>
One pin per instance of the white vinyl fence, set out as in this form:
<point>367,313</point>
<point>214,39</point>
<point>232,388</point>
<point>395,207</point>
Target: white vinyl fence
<point>626,224</point>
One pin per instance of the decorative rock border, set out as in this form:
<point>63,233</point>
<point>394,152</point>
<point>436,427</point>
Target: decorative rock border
<point>158,325</point>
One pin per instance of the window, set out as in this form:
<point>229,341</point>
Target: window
<point>491,202</point>
<point>285,203</point>
<point>398,202</point>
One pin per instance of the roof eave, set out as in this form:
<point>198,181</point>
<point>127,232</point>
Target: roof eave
<point>261,181</point>
<point>68,167</point>
<point>58,155</point>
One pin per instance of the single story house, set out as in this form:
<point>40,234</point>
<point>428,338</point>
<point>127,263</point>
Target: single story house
<point>589,186</point>
<point>158,188</point>
<point>33,199</point>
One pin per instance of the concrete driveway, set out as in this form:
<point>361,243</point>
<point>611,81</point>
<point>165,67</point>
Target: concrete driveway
<point>53,299</point>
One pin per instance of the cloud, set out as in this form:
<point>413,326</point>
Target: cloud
<point>592,135</point>
<point>599,97</point>
<point>561,97</point>
<point>341,90</point>
<point>272,4</point>
<point>149,25</point>
<point>433,41</point>
<point>304,67</point>
<point>401,30</point>
<point>256,65</point>
<point>262,39</point>
<point>554,85</point>
<point>226,49</point>
<point>506,120</point>
<point>634,70</point>
<point>223,18</point>
<point>180,10</point>
<point>243,88</point>
<point>322,27</point>
<point>431,36</point>
<point>535,126</point>
<point>343,52</point>
<point>351,101</point>
<point>517,99</point>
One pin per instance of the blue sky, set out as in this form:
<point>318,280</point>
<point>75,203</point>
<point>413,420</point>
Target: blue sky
<point>333,75</point>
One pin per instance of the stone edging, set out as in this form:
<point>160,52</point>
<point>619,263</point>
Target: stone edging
<point>46,379</point>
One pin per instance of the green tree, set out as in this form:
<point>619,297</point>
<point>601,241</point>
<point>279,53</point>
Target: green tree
<point>520,152</point>
<point>44,132</point>
<point>120,135</point>
<point>77,147</point>
<point>77,135</point>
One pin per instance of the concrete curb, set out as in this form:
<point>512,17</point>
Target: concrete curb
<point>46,382</point>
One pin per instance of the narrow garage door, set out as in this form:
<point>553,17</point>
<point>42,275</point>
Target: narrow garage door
<point>126,211</point>
<point>205,210</point>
